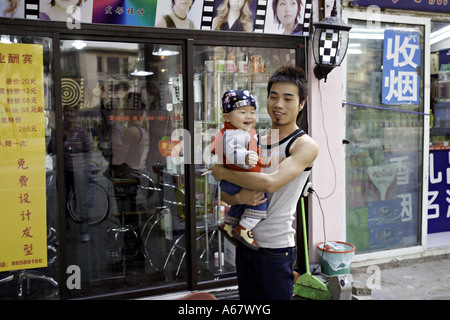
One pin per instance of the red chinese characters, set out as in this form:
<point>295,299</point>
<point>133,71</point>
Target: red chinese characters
<point>24,200</point>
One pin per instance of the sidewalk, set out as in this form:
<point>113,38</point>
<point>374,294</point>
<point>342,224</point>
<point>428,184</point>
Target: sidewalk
<point>417,279</point>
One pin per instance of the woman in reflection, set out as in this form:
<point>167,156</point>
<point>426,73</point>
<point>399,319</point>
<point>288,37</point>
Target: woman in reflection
<point>122,96</point>
<point>287,14</point>
<point>8,8</point>
<point>128,142</point>
<point>178,17</point>
<point>58,9</point>
<point>234,15</point>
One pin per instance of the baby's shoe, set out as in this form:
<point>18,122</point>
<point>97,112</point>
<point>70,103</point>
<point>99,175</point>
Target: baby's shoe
<point>245,236</point>
<point>227,229</point>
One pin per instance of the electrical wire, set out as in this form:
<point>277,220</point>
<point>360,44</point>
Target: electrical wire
<point>328,147</point>
<point>311,190</point>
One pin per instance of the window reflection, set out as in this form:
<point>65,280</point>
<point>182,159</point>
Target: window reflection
<point>219,69</point>
<point>132,208</point>
<point>385,150</point>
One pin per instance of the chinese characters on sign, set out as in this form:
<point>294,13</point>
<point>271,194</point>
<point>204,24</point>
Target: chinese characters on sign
<point>119,10</point>
<point>23,242</point>
<point>439,191</point>
<point>416,5</point>
<point>133,13</point>
<point>401,58</point>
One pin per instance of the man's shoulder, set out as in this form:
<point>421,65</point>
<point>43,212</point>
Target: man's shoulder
<point>304,143</point>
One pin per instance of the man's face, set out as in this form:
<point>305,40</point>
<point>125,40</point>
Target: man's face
<point>283,103</point>
<point>70,114</point>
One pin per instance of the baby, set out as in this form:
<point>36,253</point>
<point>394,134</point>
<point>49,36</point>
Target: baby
<point>237,143</point>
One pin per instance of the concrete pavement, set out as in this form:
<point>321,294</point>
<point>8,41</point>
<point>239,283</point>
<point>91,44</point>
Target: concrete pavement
<point>425,278</point>
<point>416,279</point>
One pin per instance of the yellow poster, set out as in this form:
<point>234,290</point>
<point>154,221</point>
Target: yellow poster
<point>23,241</point>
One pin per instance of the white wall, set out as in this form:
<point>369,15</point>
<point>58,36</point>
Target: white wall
<point>326,127</point>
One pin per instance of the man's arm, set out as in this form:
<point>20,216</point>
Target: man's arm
<point>244,196</point>
<point>303,152</point>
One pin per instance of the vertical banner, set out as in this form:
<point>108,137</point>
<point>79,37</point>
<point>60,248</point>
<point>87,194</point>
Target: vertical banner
<point>401,58</point>
<point>23,232</point>
<point>439,192</point>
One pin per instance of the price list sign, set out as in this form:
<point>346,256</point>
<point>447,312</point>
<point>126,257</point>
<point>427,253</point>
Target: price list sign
<point>23,242</point>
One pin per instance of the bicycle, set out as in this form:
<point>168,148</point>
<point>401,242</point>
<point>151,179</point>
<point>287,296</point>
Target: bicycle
<point>169,225</point>
<point>97,204</point>
<point>98,201</point>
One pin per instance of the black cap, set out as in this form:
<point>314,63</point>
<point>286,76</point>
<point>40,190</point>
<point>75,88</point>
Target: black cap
<point>234,99</point>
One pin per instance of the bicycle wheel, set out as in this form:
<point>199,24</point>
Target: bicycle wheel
<point>97,204</point>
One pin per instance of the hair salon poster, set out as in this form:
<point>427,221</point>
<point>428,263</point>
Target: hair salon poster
<point>263,16</point>
<point>23,231</point>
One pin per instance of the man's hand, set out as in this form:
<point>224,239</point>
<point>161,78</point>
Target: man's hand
<point>245,196</point>
<point>217,171</point>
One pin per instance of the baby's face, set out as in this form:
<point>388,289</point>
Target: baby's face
<point>242,118</point>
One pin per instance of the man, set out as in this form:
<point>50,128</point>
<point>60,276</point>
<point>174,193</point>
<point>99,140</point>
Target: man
<point>267,274</point>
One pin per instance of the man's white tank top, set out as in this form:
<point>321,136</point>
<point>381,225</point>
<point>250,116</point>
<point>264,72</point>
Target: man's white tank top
<point>277,230</point>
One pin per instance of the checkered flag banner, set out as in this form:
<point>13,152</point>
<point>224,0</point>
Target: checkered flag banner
<point>260,16</point>
<point>329,45</point>
<point>207,15</point>
<point>307,17</point>
<point>31,9</point>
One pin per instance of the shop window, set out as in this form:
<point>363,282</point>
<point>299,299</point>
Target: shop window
<point>125,207</point>
<point>99,64</point>
<point>218,69</point>
<point>113,65</point>
<point>384,130</point>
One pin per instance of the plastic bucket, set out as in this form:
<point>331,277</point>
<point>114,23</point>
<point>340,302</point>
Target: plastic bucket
<point>336,257</point>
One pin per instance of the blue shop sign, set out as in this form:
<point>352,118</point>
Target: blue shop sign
<point>414,5</point>
<point>401,58</point>
<point>439,191</point>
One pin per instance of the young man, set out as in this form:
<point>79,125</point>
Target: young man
<point>267,274</point>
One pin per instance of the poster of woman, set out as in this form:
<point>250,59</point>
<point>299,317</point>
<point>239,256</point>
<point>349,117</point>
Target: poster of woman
<point>285,17</point>
<point>182,14</point>
<point>234,15</point>
<point>12,8</point>
<point>62,10</point>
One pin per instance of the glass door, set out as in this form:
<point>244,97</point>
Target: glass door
<point>218,69</point>
<point>385,111</point>
<point>124,194</point>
